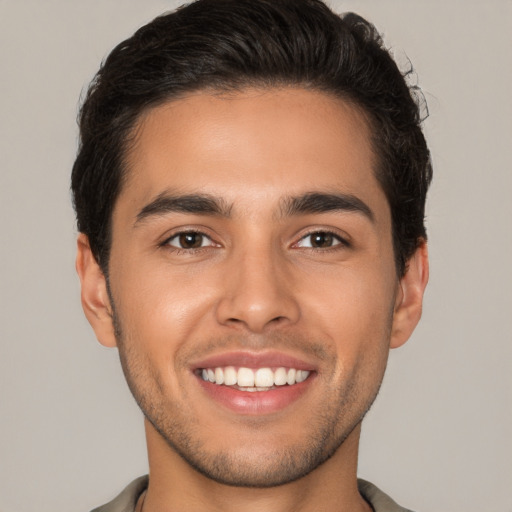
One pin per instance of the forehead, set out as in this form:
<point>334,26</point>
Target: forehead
<point>251,148</point>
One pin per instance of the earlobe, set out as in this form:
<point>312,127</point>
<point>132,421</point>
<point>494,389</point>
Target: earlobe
<point>94,293</point>
<point>409,302</point>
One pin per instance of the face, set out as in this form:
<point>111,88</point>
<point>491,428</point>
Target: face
<point>252,280</point>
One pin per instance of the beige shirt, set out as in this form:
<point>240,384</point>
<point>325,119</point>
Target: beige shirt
<point>127,500</point>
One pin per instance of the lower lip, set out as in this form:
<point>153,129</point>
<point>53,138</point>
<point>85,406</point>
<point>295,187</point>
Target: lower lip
<point>256,402</point>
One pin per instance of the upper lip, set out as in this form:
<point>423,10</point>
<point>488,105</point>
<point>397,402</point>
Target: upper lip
<point>254,360</point>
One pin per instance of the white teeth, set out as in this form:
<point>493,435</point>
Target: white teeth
<point>301,375</point>
<point>245,377</point>
<point>264,378</point>
<point>219,376</point>
<point>261,379</point>
<point>280,377</point>
<point>290,378</point>
<point>230,376</point>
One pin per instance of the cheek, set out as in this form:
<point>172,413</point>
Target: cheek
<point>163,308</point>
<point>353,311</point>
<point>351,299</point>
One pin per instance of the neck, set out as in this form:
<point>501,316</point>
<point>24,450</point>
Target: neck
<point>175,485</point>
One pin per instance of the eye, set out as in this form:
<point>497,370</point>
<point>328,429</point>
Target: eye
<point>320,240</point>
<point>189,240</point>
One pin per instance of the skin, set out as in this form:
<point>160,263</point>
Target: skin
<point>255,285</point>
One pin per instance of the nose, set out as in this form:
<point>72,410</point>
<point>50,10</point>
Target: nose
<point>258,293</point>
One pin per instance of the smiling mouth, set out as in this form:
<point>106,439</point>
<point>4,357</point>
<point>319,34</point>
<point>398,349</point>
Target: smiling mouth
<point>249,379</point>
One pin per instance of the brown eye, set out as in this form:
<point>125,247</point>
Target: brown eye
<point>189,240</point>
<point>320,240</point>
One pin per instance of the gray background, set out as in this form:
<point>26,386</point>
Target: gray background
<point>439,436</point>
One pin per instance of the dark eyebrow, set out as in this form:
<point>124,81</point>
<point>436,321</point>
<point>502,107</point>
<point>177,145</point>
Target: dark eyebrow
<point>199,204</point>
<point>317,202</point>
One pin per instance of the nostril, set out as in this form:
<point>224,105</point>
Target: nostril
<point>256,312</point>
<point>273,321</point>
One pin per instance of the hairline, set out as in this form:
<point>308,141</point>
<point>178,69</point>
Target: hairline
<point>231,88</point>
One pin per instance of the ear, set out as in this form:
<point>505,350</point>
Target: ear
<point>409,299</point>
<point>94,295</point>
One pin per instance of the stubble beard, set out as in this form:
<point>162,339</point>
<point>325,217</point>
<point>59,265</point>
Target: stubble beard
<point>285,465</point>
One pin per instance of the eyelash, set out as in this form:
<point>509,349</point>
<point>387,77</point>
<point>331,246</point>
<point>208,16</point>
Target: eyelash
<point>182,250</point>
<point>339,242</point>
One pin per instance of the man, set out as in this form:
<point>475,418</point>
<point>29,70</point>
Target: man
<point>250,191</point>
